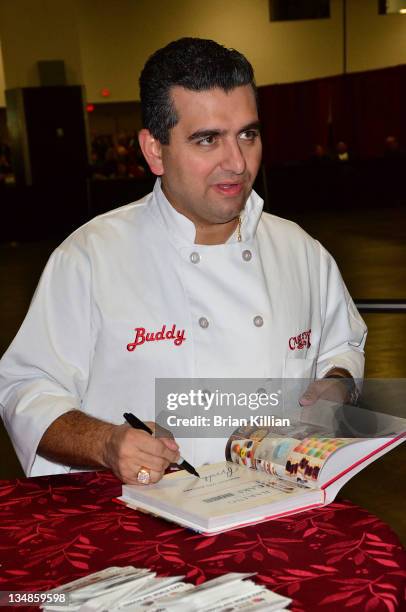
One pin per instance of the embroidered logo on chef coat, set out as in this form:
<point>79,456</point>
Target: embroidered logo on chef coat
<point>300,341</point>
<point>141,336</point>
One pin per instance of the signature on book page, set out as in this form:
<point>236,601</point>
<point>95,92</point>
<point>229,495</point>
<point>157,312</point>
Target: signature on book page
<point>215,477</point>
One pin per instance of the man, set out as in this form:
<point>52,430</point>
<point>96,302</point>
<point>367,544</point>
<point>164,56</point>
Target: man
<point>193,281</point>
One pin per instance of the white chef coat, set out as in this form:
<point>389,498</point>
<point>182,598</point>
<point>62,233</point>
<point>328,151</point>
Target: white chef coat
<point>243,308</point>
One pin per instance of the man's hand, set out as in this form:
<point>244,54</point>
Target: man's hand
<point>335,387</point>
<point>80,440</point>
<point>127,450</point>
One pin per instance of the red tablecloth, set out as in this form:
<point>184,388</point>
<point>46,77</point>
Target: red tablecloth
<point>55,529</point>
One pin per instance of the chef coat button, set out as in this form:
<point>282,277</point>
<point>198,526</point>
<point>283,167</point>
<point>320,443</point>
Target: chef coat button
<point>261,391</point>
<point>194,257</point>
<point>247,255</point>
<point>258,321</point>
<point>203,322</point>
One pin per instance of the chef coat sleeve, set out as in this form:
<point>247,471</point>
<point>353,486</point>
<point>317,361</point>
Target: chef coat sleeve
<point>45,371</point>
<point>343,332</point>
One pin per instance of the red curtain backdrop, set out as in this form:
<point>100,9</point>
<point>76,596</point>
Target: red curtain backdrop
<point>359,108</point>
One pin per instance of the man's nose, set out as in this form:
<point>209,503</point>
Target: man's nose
<point>233,158</point>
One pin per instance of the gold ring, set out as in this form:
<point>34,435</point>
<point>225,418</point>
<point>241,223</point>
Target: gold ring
<point>143,476</point>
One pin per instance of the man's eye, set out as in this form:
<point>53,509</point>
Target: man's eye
<point>207,141</point>
<point>249,135</point>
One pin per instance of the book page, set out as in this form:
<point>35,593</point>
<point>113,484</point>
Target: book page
<point>298,457</point>
<point>223,489</point>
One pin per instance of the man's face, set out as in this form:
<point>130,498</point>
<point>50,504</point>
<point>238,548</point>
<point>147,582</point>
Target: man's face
<point>213,154</point>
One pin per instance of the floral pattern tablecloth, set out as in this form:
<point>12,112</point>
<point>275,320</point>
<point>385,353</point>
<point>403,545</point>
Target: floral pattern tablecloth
<point>58,528</point>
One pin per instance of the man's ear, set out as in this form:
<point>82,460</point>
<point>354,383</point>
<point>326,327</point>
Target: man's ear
<point>152,151</point>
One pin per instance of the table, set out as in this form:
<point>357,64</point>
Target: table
<point>54,529</point>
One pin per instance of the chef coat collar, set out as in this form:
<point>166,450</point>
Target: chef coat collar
<point>183,230</point>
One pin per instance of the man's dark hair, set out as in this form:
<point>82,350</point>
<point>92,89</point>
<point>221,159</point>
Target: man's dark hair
<point>195,64</point>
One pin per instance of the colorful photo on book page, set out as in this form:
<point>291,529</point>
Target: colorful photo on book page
<point>241,446</point>
<point>294,458</point>
<point>306,459</point>
<point>260,449</point>
<point>272,453</point>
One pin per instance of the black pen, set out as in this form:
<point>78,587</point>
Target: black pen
<point>136,423</point>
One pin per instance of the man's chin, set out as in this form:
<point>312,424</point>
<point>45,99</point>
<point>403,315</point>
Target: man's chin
<point>230,209</point>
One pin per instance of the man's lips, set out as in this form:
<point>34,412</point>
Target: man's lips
<point>228,189</point>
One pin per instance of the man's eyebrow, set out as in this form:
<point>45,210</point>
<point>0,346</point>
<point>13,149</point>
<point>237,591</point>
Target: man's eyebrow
<point>254,125</point>
<point>204,134</point>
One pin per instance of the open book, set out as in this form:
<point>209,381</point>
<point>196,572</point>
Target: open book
<point>265,476</point>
